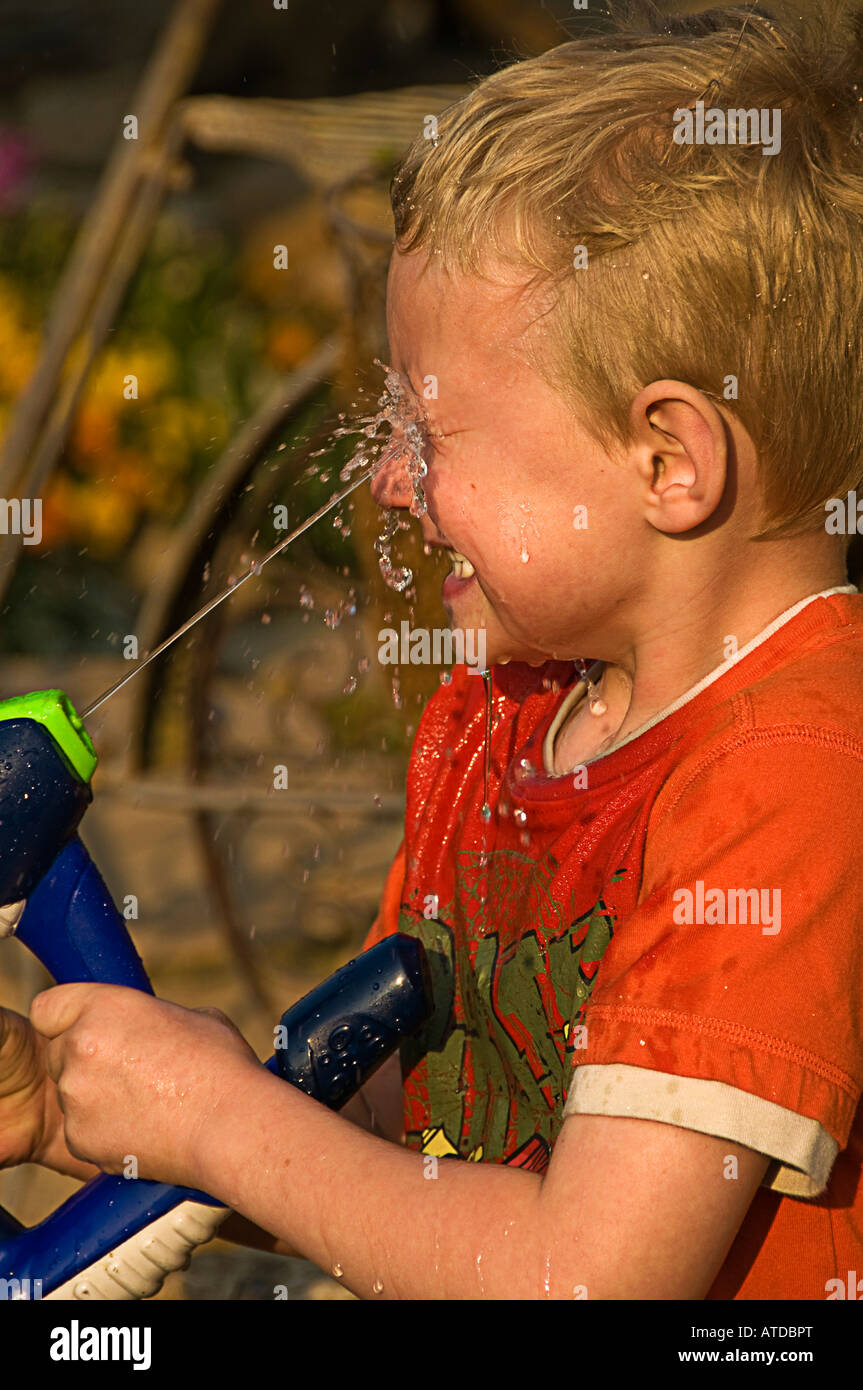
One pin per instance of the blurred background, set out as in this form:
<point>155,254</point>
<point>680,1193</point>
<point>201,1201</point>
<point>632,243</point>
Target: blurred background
<point>151,159</point>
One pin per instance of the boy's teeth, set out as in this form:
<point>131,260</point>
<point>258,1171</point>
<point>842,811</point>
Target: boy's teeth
<point>461,568</point>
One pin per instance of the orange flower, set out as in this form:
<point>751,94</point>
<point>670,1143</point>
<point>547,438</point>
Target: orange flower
<point>289,341</point>
<point>94,430</point>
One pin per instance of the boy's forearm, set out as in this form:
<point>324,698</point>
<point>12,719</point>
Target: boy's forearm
<point>377,1108</point>
<point>364,1208</point>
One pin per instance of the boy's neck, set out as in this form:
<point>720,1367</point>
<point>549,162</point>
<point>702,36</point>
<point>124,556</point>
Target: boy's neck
<point>623,698</point>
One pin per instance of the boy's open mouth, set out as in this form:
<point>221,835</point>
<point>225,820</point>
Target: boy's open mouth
<point>461,574</point>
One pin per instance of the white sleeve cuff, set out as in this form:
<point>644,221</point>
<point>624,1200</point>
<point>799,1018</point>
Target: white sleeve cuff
<point>803,1152</point>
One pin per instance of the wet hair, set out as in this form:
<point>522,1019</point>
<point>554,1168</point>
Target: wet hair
<point>735,270</point>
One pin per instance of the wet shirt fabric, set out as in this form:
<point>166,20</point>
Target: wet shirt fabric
<point>673,932</point>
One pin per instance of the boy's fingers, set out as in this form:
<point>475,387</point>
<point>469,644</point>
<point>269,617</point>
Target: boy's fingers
<point>55,1010</point>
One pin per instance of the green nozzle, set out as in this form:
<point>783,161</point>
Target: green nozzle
<point>55,710</point>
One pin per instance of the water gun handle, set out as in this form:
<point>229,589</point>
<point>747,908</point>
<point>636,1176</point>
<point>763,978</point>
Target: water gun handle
<point>117,1238</point>
<point>71,925</point>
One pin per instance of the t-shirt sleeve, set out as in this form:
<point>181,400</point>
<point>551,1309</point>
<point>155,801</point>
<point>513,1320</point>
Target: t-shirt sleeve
<point>730,1000</point>
<point>387,920</point>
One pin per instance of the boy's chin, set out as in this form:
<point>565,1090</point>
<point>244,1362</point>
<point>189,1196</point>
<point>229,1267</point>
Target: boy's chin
<point>497,654</point>
<point>470,611</point>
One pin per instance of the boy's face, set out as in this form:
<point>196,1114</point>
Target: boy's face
<point>507,467</point>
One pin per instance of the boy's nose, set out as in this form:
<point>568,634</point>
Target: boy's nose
<point>392,487</point>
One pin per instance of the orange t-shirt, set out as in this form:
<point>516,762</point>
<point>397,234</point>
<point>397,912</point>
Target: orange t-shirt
<point>688,906</point>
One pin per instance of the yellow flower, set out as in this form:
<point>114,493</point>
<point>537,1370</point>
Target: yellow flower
<point>153,365</point>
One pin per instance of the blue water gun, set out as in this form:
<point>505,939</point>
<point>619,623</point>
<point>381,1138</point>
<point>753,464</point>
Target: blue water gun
<point>116,1238</point>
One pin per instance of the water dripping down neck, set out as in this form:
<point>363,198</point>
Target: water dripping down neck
<point>487,684</point>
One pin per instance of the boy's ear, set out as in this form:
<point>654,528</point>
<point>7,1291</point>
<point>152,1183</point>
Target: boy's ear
<point>681,451</point>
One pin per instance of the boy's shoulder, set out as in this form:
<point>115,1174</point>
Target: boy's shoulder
<point>783,740</point>
<point>818,668</point>
<point>802,682</point>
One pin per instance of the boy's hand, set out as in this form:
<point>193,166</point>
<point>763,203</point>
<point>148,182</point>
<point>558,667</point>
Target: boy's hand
<point>23,1091</point>
<point>137,1078</point>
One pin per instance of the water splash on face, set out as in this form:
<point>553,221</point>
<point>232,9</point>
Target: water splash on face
<point>400,409</point>
<point>399,418</point>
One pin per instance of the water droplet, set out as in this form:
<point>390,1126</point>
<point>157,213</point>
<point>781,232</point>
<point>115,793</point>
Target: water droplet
<point>350,685</point>
<point>337,1271</point>
<point>520,816</point>
<point>377,1286</point>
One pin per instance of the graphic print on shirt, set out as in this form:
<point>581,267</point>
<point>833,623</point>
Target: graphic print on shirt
<point>486,1078</point>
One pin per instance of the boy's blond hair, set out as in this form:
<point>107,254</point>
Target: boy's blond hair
<point>704,262</point>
